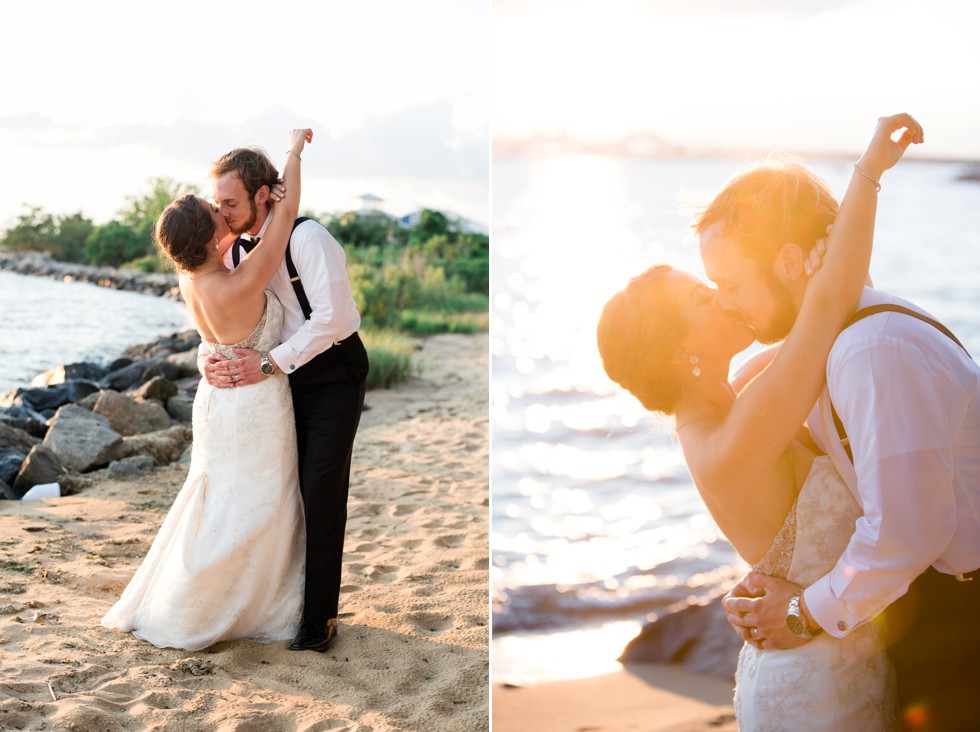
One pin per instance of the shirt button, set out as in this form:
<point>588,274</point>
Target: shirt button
<point>841,626</point>
<point>292,367</point>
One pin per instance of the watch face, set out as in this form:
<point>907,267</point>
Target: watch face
<point>796,625</point>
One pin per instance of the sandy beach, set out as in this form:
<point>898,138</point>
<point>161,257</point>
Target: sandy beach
<point>411,654</point>
<point>638,698</point>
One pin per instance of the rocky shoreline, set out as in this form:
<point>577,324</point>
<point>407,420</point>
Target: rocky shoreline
<point>40,264</point>
<point>118,419</point>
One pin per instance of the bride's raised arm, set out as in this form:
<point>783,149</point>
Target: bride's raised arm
<point>260,265</point>
<point>769,411</point>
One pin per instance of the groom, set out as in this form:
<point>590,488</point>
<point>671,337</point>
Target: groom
<point>326,363</point>
<point>907,397</point>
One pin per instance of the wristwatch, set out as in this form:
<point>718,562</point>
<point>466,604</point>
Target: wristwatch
<point>266,366</point>
<point>795,620</point>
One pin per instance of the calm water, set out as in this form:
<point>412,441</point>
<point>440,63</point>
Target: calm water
<point>596,524</point>
<point>46,322</point>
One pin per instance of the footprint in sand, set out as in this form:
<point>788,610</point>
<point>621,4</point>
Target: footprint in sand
<point>382,573</point>
<point>450,541</point>
<point>434,623</point>
<point>403,509</point>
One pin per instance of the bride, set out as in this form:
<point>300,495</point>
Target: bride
<point>783,506</point>
<point>228,561</point>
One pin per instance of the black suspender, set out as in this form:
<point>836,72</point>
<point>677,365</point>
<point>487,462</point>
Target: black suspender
<point>874,310</point>
<point>294,279</point>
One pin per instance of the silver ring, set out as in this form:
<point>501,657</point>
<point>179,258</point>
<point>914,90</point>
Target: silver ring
<point>753,632</point>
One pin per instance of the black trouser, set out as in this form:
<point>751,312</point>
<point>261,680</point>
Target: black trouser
<point>934,643</point>
<point>328,395</point>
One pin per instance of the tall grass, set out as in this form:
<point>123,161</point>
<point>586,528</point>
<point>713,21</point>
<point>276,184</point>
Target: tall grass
<point>390,355</point>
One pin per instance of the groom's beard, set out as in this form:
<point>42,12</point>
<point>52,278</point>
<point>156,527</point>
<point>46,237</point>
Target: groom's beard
<point>250,221</point>
<point>783,316</point>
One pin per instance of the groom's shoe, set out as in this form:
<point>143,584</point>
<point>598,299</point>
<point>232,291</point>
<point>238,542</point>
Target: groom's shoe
<point>315,636</point>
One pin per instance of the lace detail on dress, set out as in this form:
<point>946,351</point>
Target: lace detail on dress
<point>776,562</point>
<point>827,683</point>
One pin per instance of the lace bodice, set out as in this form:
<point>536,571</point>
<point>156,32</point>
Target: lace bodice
<point>264,336</point>
<point>816,530</point>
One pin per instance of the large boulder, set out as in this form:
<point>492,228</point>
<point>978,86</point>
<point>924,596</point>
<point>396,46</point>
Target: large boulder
<point>17,439</point>
<point>10,461</point>
<point>69,372</point>
<point>131,416</point>
<point>164,346</point>
<point>138,373</point>
<point>81,439</point>
<point>41,466</point>
<point>186,361</point>
<point>49,398</point>
<point>157,388</point>
<point>24,418</point>
<point>165,446</point>
<point>181,408</point>
<point>697,636</point>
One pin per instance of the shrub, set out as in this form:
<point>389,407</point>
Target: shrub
<point>390,354</point>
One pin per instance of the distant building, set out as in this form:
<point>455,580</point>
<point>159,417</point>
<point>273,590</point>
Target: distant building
<point>370,202</point>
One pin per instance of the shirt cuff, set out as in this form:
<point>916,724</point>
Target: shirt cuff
<point>827,611</point>
<point>287,358</point>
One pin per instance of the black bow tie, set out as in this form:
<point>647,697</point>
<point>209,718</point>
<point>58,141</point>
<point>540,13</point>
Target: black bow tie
<point>248,244</point>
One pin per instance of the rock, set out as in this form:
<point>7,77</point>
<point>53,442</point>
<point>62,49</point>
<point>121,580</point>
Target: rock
<point>136,374</point>
<point>70,372</point>
<point>7,492</point>
<point>119,363</point>
<point>164,346</point>
<point>131,467</point>
<point>164,446</point>
<point>129,416</point>
<point>18,439</point>
<point>49,398</point>
<point>697,636</point>
<point>186,361</point>
<point>157,388</point>
<point>41,466</point>
<point>10,462</point>
<point>181,408</point>
<point>24,418</point>
<point>81,439</point>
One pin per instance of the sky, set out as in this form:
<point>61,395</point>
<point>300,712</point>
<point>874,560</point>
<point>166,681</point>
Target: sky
<point>100,97</point>
<point>794,76</point>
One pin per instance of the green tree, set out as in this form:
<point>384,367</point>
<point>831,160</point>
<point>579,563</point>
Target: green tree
<point>433,223</point>
<point>69,240</point>
<point>353,230</point>
<point>114,243</point>
<point>142,211</point>
<point>33,230</point>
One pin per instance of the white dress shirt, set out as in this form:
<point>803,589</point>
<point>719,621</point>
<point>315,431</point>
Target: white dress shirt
<point>322,267</point>
<point>909,398</point>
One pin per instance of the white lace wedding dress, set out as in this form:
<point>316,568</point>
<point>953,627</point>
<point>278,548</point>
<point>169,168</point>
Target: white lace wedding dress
<point>228,561</point>
<point>827,683</point>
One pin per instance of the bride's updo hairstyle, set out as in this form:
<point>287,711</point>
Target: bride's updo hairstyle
<point>638,333</point>
<point>184,231</point>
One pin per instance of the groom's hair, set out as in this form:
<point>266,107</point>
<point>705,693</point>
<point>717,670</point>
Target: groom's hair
<point>252,166</point>
<point>770,204</point>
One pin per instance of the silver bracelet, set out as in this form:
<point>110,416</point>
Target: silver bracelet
<point>873,180</point>
<point>290,152</point>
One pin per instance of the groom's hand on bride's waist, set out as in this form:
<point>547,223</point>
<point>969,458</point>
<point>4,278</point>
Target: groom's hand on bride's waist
<point>222,373</point>
<point>756,608</point>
